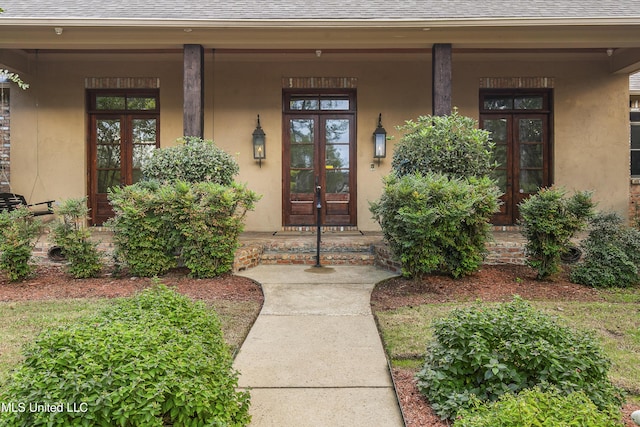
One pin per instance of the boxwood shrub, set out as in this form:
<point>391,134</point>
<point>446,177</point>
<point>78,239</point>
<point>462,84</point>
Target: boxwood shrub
<point>533,407</point>
<point>549,220</point>
<point>156,359</point>
<point>434,223</point>
<point>487,351</point>
<point>156,226</point>
<point>452,145</point>
<point>611,254</point>
<point>19,232</point>
<point>70,233</point>
<point>193,159</point>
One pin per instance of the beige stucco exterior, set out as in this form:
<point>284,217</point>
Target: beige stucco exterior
<point>49,121</point>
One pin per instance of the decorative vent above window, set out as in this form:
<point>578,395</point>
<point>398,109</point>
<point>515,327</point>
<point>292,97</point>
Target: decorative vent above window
<point>121,83</point>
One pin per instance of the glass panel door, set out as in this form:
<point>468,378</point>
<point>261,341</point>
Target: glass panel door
<point>500,128</point>
<point>337,168</point>
<point>144,137</point>
<point>531,142</point>
<point>118,146</point>
<point>108,153</point>
<point>522,154</point>
<point>301,172</point>
<point>319,151</point>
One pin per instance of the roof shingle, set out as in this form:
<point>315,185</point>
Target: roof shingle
<point>319,9</point>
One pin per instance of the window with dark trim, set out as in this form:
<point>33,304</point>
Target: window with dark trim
<point>635,144</point>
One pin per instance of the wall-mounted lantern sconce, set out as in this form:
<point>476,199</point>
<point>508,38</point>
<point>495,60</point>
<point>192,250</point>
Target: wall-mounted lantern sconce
<point>379,141</point>
<point>259,152</point>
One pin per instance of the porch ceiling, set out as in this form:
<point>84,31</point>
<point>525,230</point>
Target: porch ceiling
<point>567,36</point>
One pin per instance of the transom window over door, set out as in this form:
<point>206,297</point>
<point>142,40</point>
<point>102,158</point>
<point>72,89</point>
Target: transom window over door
<point>319,151</point>
<point>124,130</point>
<point>519,122</point>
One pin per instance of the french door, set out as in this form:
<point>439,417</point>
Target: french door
<point>319,159</point>
<point>522,147</point>
<point>119,141</point>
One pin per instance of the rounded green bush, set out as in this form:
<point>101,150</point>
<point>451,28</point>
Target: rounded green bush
<point>195,160</point>
<point>612,254</point>
<point>155,226</point>
<point>533,407</point>
<point>451,145</point>
<point>18,235</point>
<point>72,236</point>
<point>434,223</point>
<point>549,221</point>
<point>487,351</point>
<point>156,359</point>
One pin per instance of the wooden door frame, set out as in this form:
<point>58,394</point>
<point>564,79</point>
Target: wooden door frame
<point>512,156</point>
<point>126,146</point>
<point>319,152</point>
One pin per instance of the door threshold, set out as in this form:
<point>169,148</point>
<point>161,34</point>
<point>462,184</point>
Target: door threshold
<point>304,229</point>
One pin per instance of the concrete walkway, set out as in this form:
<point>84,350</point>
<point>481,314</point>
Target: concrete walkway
<point>314,357</point>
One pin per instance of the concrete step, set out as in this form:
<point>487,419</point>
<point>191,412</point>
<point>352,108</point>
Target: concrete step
<point>309,258</point>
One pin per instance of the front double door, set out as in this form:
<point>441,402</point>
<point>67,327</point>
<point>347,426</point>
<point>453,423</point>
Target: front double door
<point>319,169</point>
<point>522,152</point>
<point>119,143</point>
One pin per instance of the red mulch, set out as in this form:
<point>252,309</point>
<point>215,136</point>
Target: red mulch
<point>492,283</point>
<point>50,282</point>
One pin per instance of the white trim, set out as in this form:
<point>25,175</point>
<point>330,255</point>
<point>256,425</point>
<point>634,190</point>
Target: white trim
<point>322,23</point>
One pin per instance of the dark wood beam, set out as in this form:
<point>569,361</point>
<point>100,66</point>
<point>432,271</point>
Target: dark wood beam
<point>441,79</point>
<point>193,84</point>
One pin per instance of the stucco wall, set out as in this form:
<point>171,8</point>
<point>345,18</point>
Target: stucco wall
<point>49,124</point>
<point>397,90</point>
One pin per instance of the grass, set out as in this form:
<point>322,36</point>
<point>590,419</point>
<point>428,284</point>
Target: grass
<point>615,322</point>
<point>22,321</point>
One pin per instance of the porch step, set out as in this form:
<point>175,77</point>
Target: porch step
<point>309,258</point>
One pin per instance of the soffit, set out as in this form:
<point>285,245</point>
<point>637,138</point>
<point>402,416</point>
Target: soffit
<point>82,37</point>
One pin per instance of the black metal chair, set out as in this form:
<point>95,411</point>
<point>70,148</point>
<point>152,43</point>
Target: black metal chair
<point>11,201</point>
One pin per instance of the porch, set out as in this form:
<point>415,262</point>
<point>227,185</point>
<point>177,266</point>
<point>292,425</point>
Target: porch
<point>338,247</point>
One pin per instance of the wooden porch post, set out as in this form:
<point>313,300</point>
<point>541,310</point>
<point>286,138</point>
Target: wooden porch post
<point>441,83</point>
<point>193,85</point>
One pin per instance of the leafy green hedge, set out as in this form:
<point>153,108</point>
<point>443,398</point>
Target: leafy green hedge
<point>156,359</point>
<point>70,233</point>
<point>533,407</point>
<point>155,226</point>
<point>18,235</point>
<point>192,160</point>
<point>611,254</point>
<point>489,351</point>
<point>434,223</point>
<point>451,145</point>
<point>549,221</point>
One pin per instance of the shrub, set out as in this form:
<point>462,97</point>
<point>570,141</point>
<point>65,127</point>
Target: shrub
<point>451,145</point>
<point>152,360</point>
<point>73,237</point>
<point>549,221</point>
<point>489,351</point>
<point>612,254</point>
<point>155,226</point>
<point>18,235</point>
<point>195,160</point>
<point>534,407</point>
<point>434,223</point>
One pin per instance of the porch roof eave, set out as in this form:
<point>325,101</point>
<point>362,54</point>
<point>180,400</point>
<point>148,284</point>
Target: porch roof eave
<point>500,22</point>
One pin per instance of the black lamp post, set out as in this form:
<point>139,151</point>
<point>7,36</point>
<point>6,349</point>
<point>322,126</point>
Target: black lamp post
<point>379,141</point>
<point>259,149</point>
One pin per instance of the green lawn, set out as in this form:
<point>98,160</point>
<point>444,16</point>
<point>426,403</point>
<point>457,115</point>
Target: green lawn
<point>20,322</point>
<point>616,323</point>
